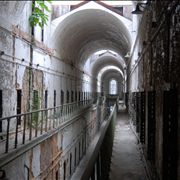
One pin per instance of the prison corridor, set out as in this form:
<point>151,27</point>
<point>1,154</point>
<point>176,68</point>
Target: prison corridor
<point>126,160</point>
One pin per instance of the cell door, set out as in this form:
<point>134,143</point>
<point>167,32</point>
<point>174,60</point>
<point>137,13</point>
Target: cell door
<point>62,97</point>
<point>126,99</point>
<point>138,111</point>
<point>75,96</point>
<point>67,96</point>
<point>54,98</point>
<point>79,96</point>
<point>170,139</point>
<point>70,167</point>
<point>72,96</point>
<point>19,93</point>
<point>151,126</point>
<point>46,99</point>
<point>64,167</point>
<point>142,119</point>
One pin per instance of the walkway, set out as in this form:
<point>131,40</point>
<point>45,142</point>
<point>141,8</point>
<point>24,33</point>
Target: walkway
<point>126,161</point>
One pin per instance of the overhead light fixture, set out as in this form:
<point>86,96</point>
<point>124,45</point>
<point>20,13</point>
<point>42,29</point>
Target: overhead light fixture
<point>138,9</point>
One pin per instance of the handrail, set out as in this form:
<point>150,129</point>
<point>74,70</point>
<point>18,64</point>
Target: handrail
<point>42,110</point>
<point>87,164</point>
<point>22,128</point>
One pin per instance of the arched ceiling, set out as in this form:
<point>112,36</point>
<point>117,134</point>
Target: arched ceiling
<point>84,32</point>
<point>105,61</point>
<point>107,73</point>
<point>109,70</point>
<point>112,73</point>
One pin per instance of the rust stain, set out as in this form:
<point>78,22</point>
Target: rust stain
<point>50,158</point>
<point>17,32</point>
<point>25,90</point>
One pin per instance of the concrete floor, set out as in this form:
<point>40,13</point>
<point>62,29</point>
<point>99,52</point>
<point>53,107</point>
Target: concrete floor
<point>126,163</point>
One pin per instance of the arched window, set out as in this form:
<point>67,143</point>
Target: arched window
<point>113,87</point>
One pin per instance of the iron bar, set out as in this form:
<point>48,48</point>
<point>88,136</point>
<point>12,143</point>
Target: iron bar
<point>38,122</point>
<point>7,136</point>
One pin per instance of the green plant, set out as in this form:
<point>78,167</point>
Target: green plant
<point>38,16</point>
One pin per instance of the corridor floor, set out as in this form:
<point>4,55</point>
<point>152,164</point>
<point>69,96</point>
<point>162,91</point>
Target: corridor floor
<point>126,163</point>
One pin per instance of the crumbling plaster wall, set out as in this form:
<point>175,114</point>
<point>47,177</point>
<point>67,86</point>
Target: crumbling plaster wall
<point>46,160</point>
<point>22,58</point>
<point>29,64</point>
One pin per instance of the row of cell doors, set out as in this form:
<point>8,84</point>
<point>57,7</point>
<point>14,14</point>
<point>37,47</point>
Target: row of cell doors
<point>145,107</point>
<point>74,97</point>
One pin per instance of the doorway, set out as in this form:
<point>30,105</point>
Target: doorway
<point>18,110</point>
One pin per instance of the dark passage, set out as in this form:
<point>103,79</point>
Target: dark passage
<point>126,161</point>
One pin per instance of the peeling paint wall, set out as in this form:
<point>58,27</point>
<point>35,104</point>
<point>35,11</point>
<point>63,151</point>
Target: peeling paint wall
<point>46,160</point>
<point>29,64</point>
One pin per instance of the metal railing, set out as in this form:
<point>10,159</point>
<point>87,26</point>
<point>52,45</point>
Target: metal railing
<point>23,128</point>
<point>91,161</point>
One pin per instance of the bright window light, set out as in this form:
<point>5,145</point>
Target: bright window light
<point>113,87</point>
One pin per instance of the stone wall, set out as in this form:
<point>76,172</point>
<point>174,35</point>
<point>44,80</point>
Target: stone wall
<point>156,69</point>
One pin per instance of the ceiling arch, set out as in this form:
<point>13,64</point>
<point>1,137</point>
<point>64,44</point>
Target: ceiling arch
<point>105,61</point>
<point>84,32</point>
<point>112,73</point>
<point>108,77</point>
<point>109,70</point>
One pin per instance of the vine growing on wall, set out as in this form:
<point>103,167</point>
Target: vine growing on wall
<point>39,16</point>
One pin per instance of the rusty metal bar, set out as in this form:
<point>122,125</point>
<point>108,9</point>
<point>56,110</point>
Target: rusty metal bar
<point>36,125</point>
<point>41,131</point>
<point>46,120</point>
<point>16,134</point>
<point>49,119</point>
<point>24,128</point>
<point>7,136</point>
<point>30,124</point>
